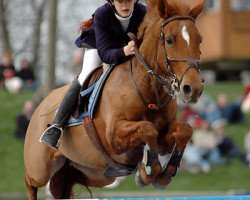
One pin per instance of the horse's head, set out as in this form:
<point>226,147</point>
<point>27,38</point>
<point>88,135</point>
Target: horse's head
<point>178,50</point>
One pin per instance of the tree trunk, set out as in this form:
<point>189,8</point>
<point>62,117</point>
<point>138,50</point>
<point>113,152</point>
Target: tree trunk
<point>51,50</point>
<point>37,35</point>
<point>4,26</point>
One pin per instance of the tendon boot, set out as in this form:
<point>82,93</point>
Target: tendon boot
<point>52,135</point>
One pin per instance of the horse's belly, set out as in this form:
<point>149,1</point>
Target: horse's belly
<point>76,146</point>
<point>92,173</point>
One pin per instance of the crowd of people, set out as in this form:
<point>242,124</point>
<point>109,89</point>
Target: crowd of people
<point>209,147</point>
<point>210,144</point>
<point>14,78</point>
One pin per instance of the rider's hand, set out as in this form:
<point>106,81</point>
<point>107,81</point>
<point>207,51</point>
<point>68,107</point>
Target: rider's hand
<point>129,49</point>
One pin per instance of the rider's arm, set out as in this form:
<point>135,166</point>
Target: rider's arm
<point>107,47</point>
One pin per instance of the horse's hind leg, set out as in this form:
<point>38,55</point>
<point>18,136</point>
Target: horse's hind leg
<point>62,182</point>
<point>31,189</point>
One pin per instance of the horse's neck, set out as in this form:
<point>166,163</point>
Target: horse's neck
<point>149,43</point>
<point>148,50</point>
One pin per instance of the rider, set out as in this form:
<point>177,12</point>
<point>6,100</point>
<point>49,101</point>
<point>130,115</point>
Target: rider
<point>105,41</point>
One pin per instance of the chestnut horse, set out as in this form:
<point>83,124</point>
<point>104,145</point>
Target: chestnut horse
<point>136,114</point>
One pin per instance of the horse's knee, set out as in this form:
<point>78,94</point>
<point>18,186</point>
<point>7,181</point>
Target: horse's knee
<point>149,134</point>
<point>182,135</point>
<point>125,135</point>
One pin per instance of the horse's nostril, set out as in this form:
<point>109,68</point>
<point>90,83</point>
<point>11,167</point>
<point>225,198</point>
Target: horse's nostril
<point>186,89</point>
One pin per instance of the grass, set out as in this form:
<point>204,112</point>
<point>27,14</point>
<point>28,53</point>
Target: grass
<point>232,177</point>
<point>11,150</point>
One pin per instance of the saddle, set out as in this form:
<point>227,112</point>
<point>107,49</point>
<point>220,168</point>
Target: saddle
<point>90,91</point>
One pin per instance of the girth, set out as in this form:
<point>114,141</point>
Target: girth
<point>113,168</point>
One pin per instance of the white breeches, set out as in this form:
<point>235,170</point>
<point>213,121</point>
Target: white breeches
<point>91,61</point>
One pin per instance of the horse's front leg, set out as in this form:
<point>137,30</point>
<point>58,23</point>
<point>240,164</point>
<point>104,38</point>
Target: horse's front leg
<point>125,135</point>
<point>174,141</point>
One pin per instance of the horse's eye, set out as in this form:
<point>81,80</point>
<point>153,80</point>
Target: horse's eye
<point>169,41</point>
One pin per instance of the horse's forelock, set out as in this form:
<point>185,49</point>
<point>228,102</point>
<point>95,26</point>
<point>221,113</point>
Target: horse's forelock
<point>188,7</point>
<point>180,7</point>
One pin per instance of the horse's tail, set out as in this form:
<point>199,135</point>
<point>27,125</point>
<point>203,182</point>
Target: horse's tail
<point>85,25</point>
<point>62,182</point>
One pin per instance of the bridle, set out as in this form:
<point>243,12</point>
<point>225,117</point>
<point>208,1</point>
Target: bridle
<point>192,63</point>
<point>172,85</point>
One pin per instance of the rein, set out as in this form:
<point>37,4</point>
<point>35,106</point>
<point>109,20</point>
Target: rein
<point>170,86</point>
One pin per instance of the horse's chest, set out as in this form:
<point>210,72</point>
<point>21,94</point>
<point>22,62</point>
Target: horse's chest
<point>162,121</point>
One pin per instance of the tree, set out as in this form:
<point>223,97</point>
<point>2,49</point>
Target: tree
<point>18,21</point>
<point>39,8</point>
<point>23,30</point>
<point>5,40</point>
<point>51,53</point>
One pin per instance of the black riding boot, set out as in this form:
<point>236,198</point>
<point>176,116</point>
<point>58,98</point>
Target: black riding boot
<point>51,136</point>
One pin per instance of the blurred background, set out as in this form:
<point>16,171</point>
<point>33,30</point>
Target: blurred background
<point>38,53</point>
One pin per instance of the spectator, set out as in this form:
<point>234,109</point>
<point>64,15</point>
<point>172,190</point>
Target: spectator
<point>23,119</point>
<point>193,161</point>
<point>191,117</point>
<point>228,148</point>
<point>205,140</point>
<point>26,74</point>
<point>229,111</point>
<point>245,106</point>
<point>14,84</point>
<point>7,69</point>
<point>207,109</point>
<point>246,91</point>
<point>247,147</point>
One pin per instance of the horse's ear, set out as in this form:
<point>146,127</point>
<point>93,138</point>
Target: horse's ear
<point>152,11</point>
<point>166,9</point>
<point>197,9</point>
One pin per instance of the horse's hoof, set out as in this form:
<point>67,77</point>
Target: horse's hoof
<point>138,180</point>
<point>161,181</point>
<point>159,187</point>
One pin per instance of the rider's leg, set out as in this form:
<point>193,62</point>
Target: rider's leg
<point>91,61</point>
<point>52,134</point>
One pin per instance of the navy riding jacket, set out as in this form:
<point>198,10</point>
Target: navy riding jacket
<point>106,33</point>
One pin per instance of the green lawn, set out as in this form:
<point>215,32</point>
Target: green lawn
<point>233,177</point>
<point>11,150</point>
